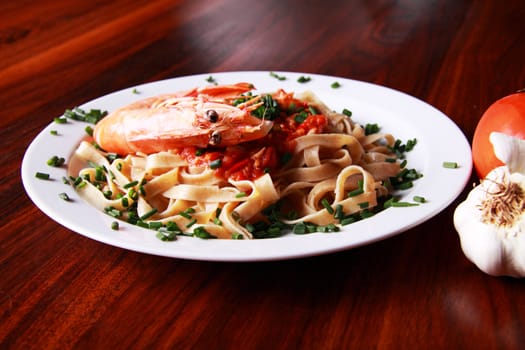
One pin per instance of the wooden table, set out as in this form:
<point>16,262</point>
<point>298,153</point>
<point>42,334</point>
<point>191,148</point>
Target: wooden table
<point>416,290</point>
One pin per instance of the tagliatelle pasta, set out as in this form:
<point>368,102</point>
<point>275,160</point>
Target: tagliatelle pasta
<point>315,168</point>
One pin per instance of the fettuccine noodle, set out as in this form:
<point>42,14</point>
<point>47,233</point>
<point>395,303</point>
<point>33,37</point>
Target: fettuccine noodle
<point>327,177</point>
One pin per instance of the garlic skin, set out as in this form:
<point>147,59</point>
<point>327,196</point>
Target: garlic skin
<point>498,250</point>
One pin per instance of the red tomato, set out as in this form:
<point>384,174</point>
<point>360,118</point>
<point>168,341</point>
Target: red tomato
<point>506,115</point>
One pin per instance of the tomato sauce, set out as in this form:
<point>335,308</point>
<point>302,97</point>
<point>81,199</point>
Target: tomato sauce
<point>250,160</point>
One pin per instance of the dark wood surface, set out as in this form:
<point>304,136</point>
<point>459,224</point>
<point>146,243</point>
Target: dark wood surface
<point>413,291</point>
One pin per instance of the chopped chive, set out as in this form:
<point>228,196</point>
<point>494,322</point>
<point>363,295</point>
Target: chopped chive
<point>64,196</point>
<point>131,184</point>
<point>166,235</point>
<point>404,204</point>
<point>312,110</point>
<point>335,85</point>
<point>363,205</point>
<point>77,181</point>
<point>276,76</point>
<point>347,112</point>
<point>303,79</point>
<point>211,80</point>
<point>371,129</point>
<point>42,176</point>
<point>141,223</point>
<point>81,184</point>
<point>419,199</point>
<point>327,206</point>
<point>339,212</point>
<point>185,214</point>
<point>114,225</point>
<point>359,190</point>
<point>100,173</point>
<point>202,233</point>
<point>154,225</point>
<point>112,211</point>
<point>237,235</point>
<point>191,223</point>
<point>172,226</point>
<point>299,228</point>
<point>56,161</point>
<point>92,116</point>
<point>450,165</point>
<point>348,220</point>
<point>135,91</point>
<point>60,120</point>
<point>274,230</point>
<point>365,214</point>
<point>54,132</point>
<point>133,194</point>
<point>328,228</point>
<point>240,195</point>
<point>300,117</point>
<point>89,130</point>
<point>410,145</point>
<point>404,185</point>
<point>190,210</point>
<point>148,214</point>
<point>355,192</point>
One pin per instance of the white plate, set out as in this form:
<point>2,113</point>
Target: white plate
<point>438,140</point>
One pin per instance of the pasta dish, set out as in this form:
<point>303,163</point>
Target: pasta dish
<point>228,162</point>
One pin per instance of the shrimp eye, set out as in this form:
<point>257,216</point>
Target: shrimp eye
<point>215,138</point>
<point>212,115</point>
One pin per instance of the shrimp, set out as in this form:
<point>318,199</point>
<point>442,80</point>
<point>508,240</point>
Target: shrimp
<point>199,117</point>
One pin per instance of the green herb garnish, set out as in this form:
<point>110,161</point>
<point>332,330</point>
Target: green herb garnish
<point>302,79</point>
<point>450,165</point>
<point>276,76</point>
<point>56,161</point>
<point>42,176</point>
<point>92,116</point>
<point>64,196</point>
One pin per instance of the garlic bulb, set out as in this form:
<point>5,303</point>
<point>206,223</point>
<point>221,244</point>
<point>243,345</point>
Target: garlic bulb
<point>491,221</point>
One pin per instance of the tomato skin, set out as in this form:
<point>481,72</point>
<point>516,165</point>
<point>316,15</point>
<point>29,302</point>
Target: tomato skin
<point>506,115</point>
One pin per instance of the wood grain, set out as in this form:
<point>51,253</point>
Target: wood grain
<point>416,290</point>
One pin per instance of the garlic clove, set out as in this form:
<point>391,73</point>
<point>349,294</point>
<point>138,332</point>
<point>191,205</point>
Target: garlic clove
<point>510,150</point>
<point>479,241</point>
